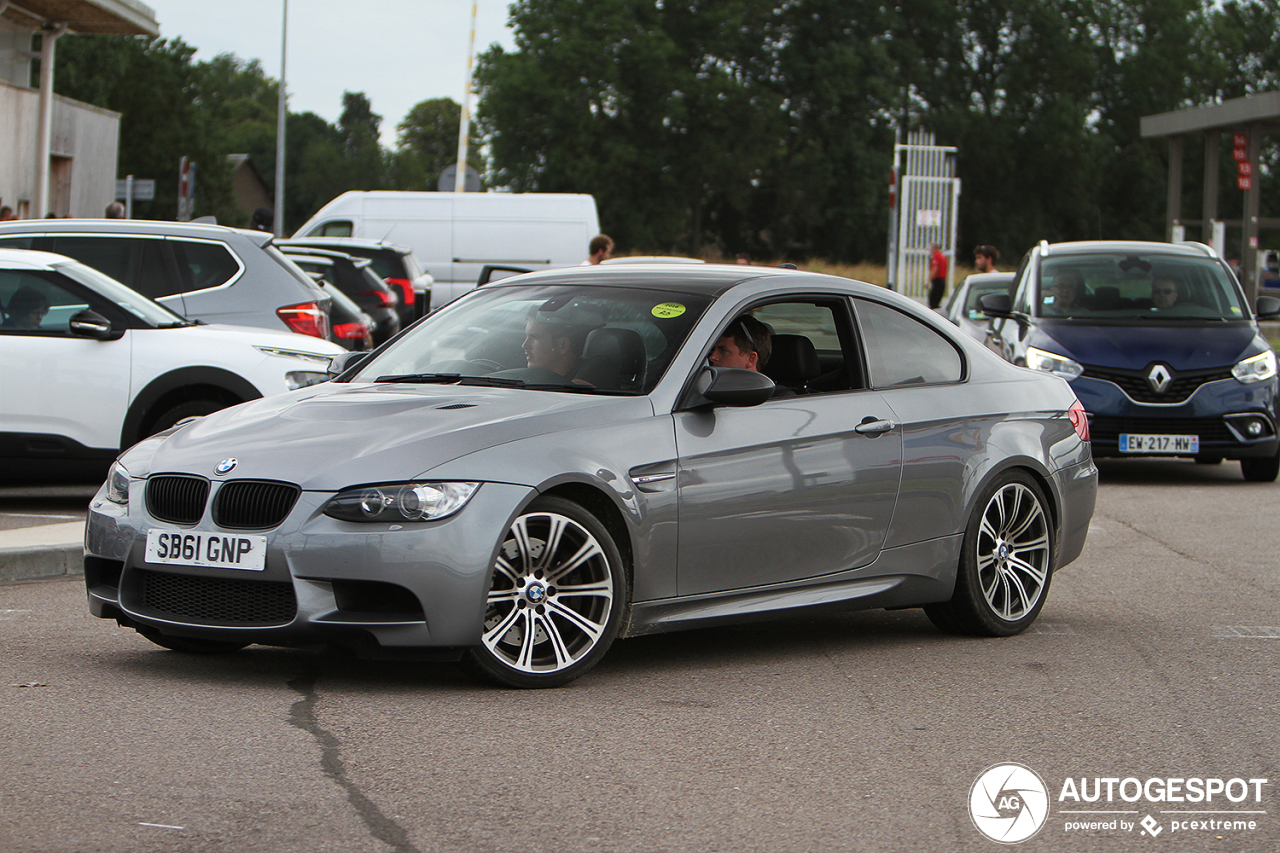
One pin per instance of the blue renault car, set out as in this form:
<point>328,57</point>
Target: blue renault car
<point>1159,344</point>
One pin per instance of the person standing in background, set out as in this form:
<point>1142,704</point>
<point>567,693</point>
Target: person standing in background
<point>937,275</point>
<point>985,257</point>
<point>600,249</point>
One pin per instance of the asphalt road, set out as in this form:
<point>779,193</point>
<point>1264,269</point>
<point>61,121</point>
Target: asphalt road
<point>1155,658</point>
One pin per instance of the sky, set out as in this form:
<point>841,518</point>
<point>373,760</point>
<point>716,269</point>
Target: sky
<point>398,52</point>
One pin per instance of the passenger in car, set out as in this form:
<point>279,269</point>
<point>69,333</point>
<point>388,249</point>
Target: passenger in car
<point>747,345</point>
<point>26,309</point>
<point>1068,287</point>
<point>1165,294</point>
<point>554,337</point>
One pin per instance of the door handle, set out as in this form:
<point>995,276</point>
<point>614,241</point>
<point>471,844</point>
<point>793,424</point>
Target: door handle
<point>873,426</point>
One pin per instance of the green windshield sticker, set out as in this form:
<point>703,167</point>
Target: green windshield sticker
<point>667,310</point>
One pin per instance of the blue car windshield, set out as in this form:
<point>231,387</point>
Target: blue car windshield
<point>611,340</point>
<point>1117,286</point>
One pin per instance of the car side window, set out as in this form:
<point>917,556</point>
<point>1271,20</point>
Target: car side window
<point>202,266</point>
<point>808,352</point>
<point>32,304</point>
<point>138,262</point>
<point>902,351</point>
<point>332,228</point>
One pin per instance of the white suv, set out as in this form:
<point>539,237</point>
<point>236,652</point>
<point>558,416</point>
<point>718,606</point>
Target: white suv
<point>89,366</point>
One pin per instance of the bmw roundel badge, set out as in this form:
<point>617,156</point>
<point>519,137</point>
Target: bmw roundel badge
<point>225,466</point>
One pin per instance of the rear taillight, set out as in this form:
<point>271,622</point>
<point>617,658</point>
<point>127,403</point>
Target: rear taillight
<point>305,318</point>
<point>351,331</point>
<point>1079,420</point>
<point>405,287</point>
<point>386,297</point>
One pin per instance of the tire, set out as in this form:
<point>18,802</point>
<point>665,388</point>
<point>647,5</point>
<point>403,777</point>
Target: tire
<point>558,596</point>
<point>1261,469</point>
<point>192,645</point>
<point>189,409</point>
<point>1006,562</point>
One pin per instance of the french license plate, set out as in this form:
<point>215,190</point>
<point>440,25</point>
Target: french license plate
<point>1135,443</point>
<point>215,550</point>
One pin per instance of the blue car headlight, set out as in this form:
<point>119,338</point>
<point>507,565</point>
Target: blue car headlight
<point>1049,362</point>
<point>118,484</point>
<point>398,502</point>
<point>1259,368</point>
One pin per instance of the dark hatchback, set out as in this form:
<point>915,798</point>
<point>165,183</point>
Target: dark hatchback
<point>1157,341</point>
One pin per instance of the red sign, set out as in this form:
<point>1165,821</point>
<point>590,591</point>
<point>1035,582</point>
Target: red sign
<point>1239,140</point>
<point>1240,154</point>
<point>1245,167</point>
<point>1244,183</point>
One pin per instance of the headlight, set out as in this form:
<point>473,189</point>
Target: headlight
<point>296,379</point>
<point>1257,369</point>
<point>118,484</point>
<point>398,502</point>
<point>1058,365</point>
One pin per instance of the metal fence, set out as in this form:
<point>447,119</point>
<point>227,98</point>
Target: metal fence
<point>923,212</point>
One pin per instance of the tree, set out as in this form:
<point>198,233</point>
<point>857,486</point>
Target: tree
<point>427,143</point>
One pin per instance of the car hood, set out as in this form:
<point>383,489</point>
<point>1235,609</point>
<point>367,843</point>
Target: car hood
<point>1182,347</point>
<point>336,435</point>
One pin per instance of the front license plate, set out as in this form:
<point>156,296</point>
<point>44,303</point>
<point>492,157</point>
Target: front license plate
<point>1134,443</point>
<point>215,550</point>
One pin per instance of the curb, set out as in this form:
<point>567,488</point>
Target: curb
<point>47,551</point>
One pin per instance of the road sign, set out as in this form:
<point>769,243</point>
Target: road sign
<point>144,189</point>
<point>186,189</point>
<point>1244,183</point>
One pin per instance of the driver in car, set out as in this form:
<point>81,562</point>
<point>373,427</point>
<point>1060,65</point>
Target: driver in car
<point>554,336</point>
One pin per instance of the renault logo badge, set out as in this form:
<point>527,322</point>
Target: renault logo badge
<point>1159,378</point>
<point>225,466</point>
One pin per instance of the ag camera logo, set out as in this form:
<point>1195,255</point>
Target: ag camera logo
<point>1009,803</point>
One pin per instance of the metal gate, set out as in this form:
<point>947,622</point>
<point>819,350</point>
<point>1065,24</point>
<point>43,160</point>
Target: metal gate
<point>923,210</point>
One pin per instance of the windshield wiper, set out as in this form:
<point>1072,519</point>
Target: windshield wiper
<point>442,378</point>
<point>1190,317</point>
<point>495,381</point>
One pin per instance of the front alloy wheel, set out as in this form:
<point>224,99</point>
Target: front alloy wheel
<point>1006,562</point>
<point>556,600</point>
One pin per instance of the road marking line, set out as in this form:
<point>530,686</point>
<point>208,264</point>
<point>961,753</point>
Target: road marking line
<point>11,615</point>
<point>1050,628</point>
<point>161,826</point>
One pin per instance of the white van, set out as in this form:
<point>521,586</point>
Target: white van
<point>453,235</point>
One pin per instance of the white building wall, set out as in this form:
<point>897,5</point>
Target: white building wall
<point>85,147</point>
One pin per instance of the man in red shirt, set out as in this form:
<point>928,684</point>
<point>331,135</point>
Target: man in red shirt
<point>937,275</point>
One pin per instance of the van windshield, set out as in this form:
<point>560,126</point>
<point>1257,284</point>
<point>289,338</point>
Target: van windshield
<point>1154,286</point>
<point>610,340</point>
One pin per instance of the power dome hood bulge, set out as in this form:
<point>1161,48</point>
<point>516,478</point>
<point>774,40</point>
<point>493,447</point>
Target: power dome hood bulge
<point>333,436</point>
<point>1185,346</point>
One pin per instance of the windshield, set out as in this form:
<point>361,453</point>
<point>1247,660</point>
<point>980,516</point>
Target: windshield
<point>560,337</point>
<point>1151,286</point>
<point>135,303</point>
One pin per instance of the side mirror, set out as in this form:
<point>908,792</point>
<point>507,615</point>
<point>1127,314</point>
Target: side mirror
<point>91,324</point>
<point>731,386</point>
<point>340,364</point>
<point>996,305</point>
<point>1268,308</point>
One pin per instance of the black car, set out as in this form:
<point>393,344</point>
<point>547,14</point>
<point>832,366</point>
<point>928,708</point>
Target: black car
<point>356,278</point>
<point>394,264</point>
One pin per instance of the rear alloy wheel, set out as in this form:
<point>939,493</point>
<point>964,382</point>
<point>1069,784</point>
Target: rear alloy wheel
<point>1261,469</point>
<point>556,601</point>
<point>1006,562</point>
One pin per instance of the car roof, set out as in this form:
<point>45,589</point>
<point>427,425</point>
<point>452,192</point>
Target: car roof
<point>130,226</point>
<point>303,252</point>
<point>709,279</point>
<point>1145,247</point>
<point>355,242</point>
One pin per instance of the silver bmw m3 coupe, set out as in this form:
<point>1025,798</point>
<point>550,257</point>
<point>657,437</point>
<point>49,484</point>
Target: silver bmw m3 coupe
<point>570,457</point>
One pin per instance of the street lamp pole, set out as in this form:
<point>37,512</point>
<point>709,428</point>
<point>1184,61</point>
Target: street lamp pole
<point>460,179</point>
<point>278,216</point>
